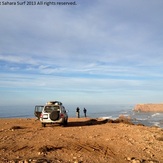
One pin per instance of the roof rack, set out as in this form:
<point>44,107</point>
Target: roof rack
<point>54,103</point>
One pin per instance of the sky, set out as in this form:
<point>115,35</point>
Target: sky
<point>94,52</point>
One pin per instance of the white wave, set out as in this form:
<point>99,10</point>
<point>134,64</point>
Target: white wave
<point>110,117</point>
<point>125,115</point>
<point>124,112</point>
<point>156,114</point>
<point>156,124</point>
<point>141,119</point>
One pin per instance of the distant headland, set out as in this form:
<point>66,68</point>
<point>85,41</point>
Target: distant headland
<point>149,107</point>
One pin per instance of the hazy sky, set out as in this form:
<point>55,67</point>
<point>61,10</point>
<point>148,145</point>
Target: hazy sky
<point>95,52</point>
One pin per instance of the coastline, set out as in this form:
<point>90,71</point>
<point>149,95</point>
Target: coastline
<point>83,140</point>
<point>149,107</point>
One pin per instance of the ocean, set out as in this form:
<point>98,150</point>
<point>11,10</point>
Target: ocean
<point>93,111</point>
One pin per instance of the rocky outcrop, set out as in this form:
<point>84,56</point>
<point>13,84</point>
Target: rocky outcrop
<point>149,107</point>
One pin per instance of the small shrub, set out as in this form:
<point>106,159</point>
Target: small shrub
<point>121,119</point>
<point>16,127</point>
<point>160,139</point>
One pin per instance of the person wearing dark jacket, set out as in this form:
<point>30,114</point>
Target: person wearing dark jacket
<point>85,112</point>
<point>78,112</point>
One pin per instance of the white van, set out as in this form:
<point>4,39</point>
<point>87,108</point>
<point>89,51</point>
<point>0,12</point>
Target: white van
<point>54,112</point>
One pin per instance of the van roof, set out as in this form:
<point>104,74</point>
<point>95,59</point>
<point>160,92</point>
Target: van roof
<point>53,103</point>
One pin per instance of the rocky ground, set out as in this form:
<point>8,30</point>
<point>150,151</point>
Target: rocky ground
<point>83,140</point>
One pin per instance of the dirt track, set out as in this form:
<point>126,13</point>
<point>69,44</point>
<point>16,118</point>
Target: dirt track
<point>83,141</point>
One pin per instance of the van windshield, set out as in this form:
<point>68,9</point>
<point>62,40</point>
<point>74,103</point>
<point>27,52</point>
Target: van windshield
<point>49,109</point>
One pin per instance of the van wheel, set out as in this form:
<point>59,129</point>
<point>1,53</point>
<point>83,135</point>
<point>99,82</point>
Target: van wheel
<point>43,124</point>
<point>65,122</point>
<point>54,115</point>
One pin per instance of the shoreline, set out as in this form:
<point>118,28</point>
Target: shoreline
<point>84,140</point>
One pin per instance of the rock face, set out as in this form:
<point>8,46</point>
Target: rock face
<point>149,107</point>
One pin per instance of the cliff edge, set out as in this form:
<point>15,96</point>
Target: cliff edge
<point>149,107</point>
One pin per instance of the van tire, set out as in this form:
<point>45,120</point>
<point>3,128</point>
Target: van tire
<point>54,115</point>
<point>43,124</point>
<point>65,122</point>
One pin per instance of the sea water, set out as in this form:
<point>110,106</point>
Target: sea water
<point>93,111</point>
<point>148,118</point>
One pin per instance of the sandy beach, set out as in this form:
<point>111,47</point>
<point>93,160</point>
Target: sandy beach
<point>83,140</point>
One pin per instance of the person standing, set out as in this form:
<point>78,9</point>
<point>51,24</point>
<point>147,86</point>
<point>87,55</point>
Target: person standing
<point>85,112</point>
<point>78,112</point>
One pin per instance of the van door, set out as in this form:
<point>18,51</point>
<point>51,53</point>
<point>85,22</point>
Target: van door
<point>38,110</point>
